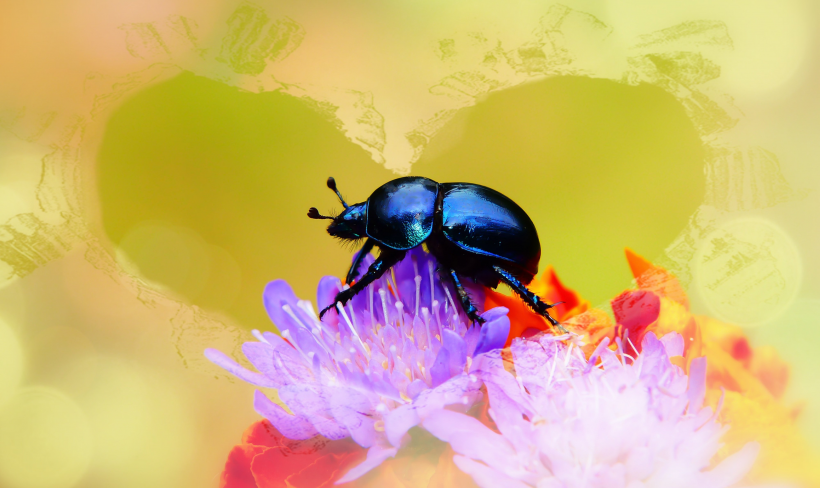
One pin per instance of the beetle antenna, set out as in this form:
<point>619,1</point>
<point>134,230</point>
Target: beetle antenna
<point>331,183</point>
<point>314,214</point>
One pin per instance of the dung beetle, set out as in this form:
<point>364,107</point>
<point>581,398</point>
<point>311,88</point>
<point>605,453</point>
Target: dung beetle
<point>471,230</point>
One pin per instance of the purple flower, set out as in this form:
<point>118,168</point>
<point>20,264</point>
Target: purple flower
<point>566,422</point>
<point>379,366</point>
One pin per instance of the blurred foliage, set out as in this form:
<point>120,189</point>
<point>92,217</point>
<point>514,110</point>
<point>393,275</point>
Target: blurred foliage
<point>191,165</point>
<point>598,165</point>
<point>240,170</point>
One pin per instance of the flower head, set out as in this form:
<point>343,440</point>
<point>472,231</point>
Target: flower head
<point>375,368</point>
<point>610,420</point>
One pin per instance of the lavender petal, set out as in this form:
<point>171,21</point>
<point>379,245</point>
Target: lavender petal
<point>445,423</point>
<point>457,349</point>
<point>353,410</point>
<point>440,372</point>
<point>278,293</point>
<point>231,366</point>
<point>328,287</point>
<point>494,332</point>
<point>485,476</point>
<point>398,422</point>
<point>673,344</point>
<point>697,384</point>
<point>291,426</point>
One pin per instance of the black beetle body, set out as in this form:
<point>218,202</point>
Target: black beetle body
<point>472,231</point>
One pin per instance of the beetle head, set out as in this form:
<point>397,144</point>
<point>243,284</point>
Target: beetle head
<point>350,224</point>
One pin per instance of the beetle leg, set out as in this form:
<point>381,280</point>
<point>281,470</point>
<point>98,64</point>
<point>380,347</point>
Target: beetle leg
<point>354,268</point>
<point>384,262</point>
<point>540,307</point>
<point>466,304</point>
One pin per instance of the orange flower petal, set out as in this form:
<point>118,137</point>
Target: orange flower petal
<point>637,263</point>
<point>521,316</point>
<point>551,290</point>
<point>728,337</point>
<point>655,278</point>
<point>523,321</point>
<point>784,453</point>
<point>724,371</point>
<point>593,325</point>
<point>770,369</point>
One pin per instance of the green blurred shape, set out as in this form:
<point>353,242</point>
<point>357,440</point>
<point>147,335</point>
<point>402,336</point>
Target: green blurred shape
<point>597,164</point>
<point>238,169</point>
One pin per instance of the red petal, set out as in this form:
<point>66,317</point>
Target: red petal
<point>742,351</point>
<point>326,470</point>
<point>237,472</point>
<point>635,310</point>
<point>262,433</point>
<point>310,467</point>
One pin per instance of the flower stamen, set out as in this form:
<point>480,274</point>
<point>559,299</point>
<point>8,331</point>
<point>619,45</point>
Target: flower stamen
<point>383,296</point>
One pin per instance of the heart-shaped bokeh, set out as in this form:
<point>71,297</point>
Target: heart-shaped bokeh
<point>205,187</point>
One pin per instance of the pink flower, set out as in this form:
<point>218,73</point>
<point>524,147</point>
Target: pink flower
<point>565,421</point>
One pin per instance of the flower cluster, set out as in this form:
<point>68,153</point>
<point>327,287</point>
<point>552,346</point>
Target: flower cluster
<point>643,397</point>
<point>374,369</point>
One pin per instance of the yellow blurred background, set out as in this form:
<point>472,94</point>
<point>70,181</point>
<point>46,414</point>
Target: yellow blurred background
<point>157,160</point>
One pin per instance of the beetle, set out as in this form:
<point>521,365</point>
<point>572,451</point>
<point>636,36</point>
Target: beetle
<point>472,231</point>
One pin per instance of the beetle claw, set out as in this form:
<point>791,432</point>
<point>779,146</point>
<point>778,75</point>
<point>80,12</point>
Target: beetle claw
<point>554,322</point>
<point>326,309</point>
